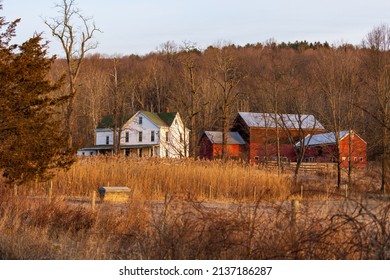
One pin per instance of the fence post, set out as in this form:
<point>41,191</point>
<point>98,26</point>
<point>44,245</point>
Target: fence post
<point>50,191</point>
<point>294,211</point>
<point>302,191</point>
<point>93,200</point>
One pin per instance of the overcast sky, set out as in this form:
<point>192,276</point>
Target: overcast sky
<point>140,26</point>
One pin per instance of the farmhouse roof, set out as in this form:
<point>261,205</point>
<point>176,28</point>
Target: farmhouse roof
<point>215,137</point>
<point>161,119</point>
<point>323,138</point>
<point>290,121</point>
<point>168,117</point>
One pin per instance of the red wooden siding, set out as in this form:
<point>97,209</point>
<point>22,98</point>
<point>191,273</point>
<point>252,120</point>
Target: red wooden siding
<point>263,144</point>
<point>327,153</point>
<point>358,151</point>
<point>212,151</point>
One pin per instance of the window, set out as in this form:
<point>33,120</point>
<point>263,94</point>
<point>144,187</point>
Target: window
<point>152,136</point>
<point>167,136</point>
<point>107,140</point>
<point>140,120</point>
<point>361,159</point>
<point>343,158</point>
<point>256,158</point>
<point>140,136</point>
<point>127,137</point>
<point>355,159</point>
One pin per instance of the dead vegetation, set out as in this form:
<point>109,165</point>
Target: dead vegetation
<point>241,216</point>
<point>152,178</point>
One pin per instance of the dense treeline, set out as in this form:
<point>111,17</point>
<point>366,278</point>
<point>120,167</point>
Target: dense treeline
<point>344,86</point>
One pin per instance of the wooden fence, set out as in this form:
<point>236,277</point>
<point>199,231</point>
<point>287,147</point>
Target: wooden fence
<point>305,166</point>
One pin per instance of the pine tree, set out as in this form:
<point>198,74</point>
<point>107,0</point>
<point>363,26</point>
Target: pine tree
<point>31,135</point>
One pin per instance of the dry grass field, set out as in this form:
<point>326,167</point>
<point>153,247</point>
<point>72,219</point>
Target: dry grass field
<point>187,209</point>
<point>153,178</point>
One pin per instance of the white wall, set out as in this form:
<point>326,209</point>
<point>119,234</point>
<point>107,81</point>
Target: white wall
<point>133,128</point>
<point>174,146</point>
<point>86,153</point>
<point>101,135</point>
<point>177,146</point>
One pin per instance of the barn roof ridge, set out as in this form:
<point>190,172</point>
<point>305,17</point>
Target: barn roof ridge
<point>293,121</point>
<point>233,137</point>
<point>325,138</point>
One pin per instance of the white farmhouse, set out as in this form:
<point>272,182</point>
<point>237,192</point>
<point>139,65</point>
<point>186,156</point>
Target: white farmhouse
<point>146,134</point>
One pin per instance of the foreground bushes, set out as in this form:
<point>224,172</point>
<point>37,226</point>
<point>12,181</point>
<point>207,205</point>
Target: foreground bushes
<point>186,209</point>
<point>180,229</point>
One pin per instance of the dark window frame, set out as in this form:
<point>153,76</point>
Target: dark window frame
<point>152,136</point>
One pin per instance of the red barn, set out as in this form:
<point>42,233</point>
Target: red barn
<point>260,130</point>
<point>323,148</point>
<point>211,145</point>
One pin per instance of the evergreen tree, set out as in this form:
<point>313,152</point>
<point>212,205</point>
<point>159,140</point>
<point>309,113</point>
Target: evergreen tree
<point>31,134</point>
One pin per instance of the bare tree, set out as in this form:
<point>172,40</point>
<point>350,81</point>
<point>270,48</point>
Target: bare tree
<point>189,91</point>
<point>336,76</point>
<point>377,64</point>
<point>119,104</point>
<point>226,74</point>
<point>75,33</point>
<point>92,105</point>
<point>272,84</point>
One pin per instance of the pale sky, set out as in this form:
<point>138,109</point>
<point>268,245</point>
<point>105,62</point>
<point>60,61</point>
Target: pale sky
<point>140,26</point>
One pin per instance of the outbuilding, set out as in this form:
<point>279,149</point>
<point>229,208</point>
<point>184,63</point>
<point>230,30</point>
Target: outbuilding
<point>211,145</point>
<point>323,148</point>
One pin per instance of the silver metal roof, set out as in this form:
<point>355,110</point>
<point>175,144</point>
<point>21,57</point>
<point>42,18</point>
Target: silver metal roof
<point>232,138</point>
<point>290,121</point>
<point>322,139</point>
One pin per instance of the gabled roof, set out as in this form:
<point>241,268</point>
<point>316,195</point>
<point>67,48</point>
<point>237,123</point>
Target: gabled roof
<point>215,137</point>
<point>323,138</point>
<point>161,119</point>
<point>168,117</point>
<point>290,121</point>
<point>154,118</point>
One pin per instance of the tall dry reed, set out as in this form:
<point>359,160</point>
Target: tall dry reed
<point>153,178</point>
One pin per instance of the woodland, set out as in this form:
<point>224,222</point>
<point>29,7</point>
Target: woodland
<point>344,86</point>
<point>51,105</point>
